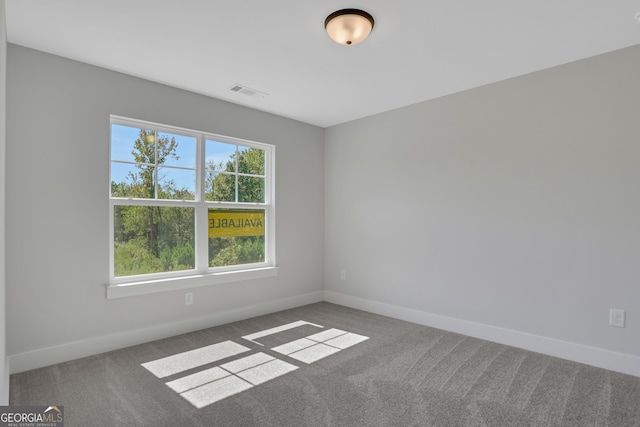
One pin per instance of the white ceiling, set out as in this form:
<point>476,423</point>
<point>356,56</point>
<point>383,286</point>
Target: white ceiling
<point>418,50</point>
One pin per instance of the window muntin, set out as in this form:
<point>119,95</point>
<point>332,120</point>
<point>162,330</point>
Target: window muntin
<point>166,185</point>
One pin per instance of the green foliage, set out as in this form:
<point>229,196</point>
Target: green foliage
<point>133,257</point>
<point>179,257</point>
<point>238,250</point>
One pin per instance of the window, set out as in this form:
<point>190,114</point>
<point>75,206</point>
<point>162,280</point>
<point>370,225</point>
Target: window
<point>186,203</point>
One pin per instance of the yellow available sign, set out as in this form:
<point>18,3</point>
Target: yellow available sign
<point>234,223</point>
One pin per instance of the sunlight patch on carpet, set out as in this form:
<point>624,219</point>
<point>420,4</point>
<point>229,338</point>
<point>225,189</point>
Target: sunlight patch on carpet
<point>219,382</point>
<point>318,346</point>
<point>346,340</point>
<point>211,385</point>
<point>215,391</point>
<point>293,346</point>
<point>268,371</point>
<point>277,329</point>
<point>198,379</point>
<point>314,353</point>
<point>181,362</point>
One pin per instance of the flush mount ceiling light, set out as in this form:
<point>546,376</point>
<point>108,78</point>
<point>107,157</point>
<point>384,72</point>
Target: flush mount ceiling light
<point>349,27</point>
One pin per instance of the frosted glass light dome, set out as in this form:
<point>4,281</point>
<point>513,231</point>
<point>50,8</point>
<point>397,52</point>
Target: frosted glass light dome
<point>349,27</point>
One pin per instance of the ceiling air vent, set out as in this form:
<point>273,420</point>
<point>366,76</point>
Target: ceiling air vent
<point>245,90</point>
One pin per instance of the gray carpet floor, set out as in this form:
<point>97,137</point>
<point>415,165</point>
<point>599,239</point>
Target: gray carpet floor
<point>343,367</point>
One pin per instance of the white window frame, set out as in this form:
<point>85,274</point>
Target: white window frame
<point>202,274</point>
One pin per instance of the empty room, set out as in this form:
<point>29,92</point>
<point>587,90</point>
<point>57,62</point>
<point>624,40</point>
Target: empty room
<point>297,213</point>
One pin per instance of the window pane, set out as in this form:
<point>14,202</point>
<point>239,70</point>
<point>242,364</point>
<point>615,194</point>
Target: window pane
<point>251,161</point>
<point>220,156</point>
<point>121,180</point>
<point>236,237</point>
<point>132,180</point>
<point>133,145</point>
<point>152,239</point>
<point>177,150</point>
<point>250,189</point>
<point>123,142</point>
<point>220,187</point>
<point>177,184</point>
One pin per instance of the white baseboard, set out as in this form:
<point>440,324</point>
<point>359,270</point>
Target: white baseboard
<point>89,347</point>
<point>619,362</point>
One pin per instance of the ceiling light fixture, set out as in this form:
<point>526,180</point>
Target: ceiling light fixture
<point>349,27</point>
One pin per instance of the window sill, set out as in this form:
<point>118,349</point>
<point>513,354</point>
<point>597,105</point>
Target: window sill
<point>123,290</point>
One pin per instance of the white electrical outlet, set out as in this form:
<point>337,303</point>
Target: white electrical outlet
<point>188,298</point>
<point>616,317</point>
<point>343,274</point>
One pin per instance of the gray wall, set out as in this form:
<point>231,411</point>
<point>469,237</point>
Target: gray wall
<point>4,377</point>
<point>514,205</point>
<point>57,209</point>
